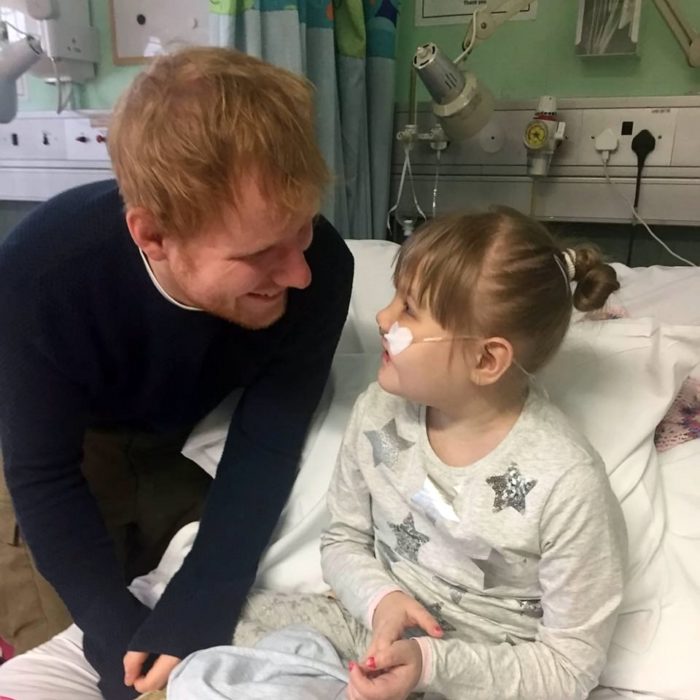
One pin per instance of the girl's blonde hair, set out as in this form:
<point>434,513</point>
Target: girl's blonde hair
<point>198,121</point>
<point>501,273</point>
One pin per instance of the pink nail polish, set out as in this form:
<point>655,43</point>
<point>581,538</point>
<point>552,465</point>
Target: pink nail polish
<point>371,662</point>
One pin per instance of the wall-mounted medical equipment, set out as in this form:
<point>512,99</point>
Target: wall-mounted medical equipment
<point>492,167</point>
<point>542,136</point>
<point>608,27</point>
<point>64,48</point>
<point>688,37</point>
<point>461,102</point>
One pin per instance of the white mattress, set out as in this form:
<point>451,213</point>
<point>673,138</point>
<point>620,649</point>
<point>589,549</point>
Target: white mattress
<point>668,668</point>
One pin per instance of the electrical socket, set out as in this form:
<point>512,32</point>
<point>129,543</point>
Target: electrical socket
<point>84,141</point>
<point>660,122</point>
<point>33,139</point>
<point>10,140</point>
<point>54,138</point>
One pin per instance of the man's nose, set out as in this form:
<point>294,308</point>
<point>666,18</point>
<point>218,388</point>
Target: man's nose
<point>293,271</point>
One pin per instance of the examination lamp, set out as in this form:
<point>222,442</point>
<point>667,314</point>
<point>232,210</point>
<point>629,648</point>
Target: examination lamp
<point>15,59</point>
<point>66,48</point>
<point>461,102</point>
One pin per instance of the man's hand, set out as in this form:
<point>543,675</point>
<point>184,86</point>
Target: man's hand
<point>157,676</point>
<point>396,613</point>
<point>390,675</point>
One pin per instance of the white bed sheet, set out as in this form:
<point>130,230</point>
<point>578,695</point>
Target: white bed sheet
<point>668,294</point>
<point>668,665</point>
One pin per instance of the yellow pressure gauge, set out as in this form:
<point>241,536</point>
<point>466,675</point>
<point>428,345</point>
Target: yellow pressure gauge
<point>536,134</point>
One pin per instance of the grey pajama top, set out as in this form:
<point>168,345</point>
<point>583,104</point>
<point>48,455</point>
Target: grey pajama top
<point>520,555</point>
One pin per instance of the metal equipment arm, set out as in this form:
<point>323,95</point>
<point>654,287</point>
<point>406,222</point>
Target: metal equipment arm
<point>687,36</point>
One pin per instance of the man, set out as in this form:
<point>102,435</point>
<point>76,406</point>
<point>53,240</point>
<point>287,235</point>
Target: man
<point>126,315</point>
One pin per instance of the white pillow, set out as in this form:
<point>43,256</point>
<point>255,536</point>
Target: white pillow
<point>668,294</point>
<point>372,290</point>
<point>668,667</point>
<point>615,380</point>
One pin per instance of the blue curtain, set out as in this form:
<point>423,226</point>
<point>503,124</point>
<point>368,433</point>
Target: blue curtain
<point>346,48</point>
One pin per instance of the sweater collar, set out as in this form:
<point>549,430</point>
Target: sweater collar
<point>162,291</point>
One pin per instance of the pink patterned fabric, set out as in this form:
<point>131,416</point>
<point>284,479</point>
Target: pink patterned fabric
<point>682,422</point>
<point>607,313</point>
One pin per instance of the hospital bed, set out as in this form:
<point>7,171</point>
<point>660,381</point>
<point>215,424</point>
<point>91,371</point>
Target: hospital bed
<point>629,379</point>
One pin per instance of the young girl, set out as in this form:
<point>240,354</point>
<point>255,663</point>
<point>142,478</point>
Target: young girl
<point>476,549</point>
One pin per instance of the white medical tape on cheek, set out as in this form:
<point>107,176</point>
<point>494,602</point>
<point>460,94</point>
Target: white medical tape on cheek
<point>398,338</point>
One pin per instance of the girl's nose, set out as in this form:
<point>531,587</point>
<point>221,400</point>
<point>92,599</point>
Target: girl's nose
<point>384,320</point>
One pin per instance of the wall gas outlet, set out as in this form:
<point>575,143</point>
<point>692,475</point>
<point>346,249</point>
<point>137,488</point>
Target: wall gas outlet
<point>85,141</point>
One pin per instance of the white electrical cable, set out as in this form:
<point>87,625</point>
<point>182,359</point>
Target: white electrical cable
<point>17,29</point>
<point>435,184</point>
<point>470,45</point>
<point>398,194</point>
<point>639,218</point>
<point>59,96</point>
<point>413,187</point>
<point>405,170</point>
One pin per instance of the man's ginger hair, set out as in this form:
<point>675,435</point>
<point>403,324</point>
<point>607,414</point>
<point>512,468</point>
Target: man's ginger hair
<point>198,121</point>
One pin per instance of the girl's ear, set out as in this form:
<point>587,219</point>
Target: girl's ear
<point>493,362</point>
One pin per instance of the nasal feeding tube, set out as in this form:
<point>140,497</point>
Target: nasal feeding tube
<point>398,338</point>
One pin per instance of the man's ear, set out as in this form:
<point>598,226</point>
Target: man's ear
<point>494,360</point>
<point>146,233</point>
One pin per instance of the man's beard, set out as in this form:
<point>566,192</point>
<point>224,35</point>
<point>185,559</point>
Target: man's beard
<point>245,317</point>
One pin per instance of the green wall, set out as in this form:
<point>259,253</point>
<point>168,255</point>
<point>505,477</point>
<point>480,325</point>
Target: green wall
<point>525,59</point>
<point>521,61</point>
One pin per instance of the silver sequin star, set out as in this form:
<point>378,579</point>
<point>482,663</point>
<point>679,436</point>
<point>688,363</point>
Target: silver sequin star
<point>386,444</point>
<point>408,539</point>
<point>531,608</point>
<point>511,489</point>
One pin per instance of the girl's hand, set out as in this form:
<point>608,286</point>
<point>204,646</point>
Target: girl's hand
<point>390,675</point>
<point>396,613</point>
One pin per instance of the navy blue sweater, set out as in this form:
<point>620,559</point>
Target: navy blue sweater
<point>87,340</point>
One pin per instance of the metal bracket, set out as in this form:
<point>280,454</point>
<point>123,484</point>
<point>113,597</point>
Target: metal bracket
<point>687,36</point>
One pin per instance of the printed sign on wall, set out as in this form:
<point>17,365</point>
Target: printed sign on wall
<point>145,28</point>
<point>433,12</point>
